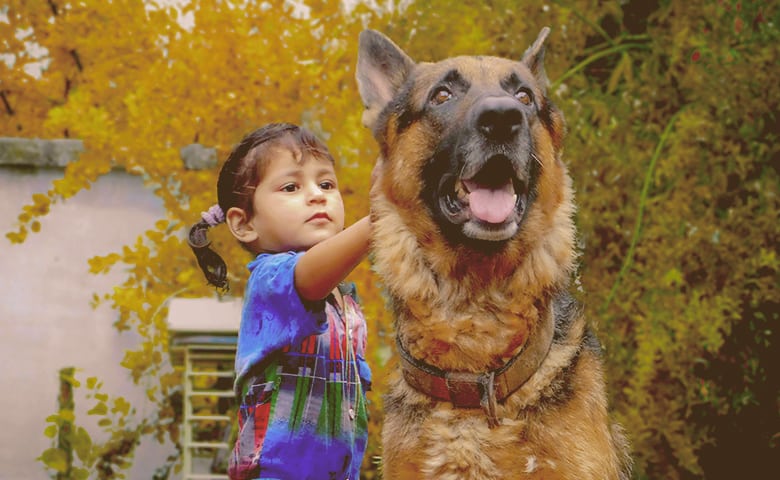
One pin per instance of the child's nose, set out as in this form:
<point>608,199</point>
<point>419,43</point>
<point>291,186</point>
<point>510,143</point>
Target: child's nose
<point>316,194</point>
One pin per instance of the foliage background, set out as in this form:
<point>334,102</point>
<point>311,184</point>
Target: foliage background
<point>672,114</point>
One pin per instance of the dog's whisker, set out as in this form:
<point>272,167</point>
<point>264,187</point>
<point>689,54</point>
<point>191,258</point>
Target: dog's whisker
<point>538,161</point>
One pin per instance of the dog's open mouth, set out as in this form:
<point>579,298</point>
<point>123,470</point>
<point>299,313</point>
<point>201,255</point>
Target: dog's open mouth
<point>489,202</point>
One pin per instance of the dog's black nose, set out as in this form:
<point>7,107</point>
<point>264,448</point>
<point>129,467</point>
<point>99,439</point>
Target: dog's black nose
<point>499,118</point>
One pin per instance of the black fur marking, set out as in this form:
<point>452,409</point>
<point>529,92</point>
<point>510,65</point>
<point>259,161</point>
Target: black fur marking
<point>546,116</point>
<point>561,388</point>
<point>404,111</point>
<point>513,82</point>
<point>591,342</point>
<point>566,309</point>
<point>454,80</point>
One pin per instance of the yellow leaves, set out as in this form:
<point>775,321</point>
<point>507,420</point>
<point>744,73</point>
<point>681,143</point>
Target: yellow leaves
<point>767,259</point>
<point>98,265</point>
<point>98,409</point>
<point>121,406</point>
<point>40,206</point>
<point>673,278</point>
<point>66,415</point>
<point>67,376</point>
<point>84,118</point>
<point>92,382</point>
<point>185,277</point>
<point>18,236</point>
<point>678,431</point>
<point>169,381</point>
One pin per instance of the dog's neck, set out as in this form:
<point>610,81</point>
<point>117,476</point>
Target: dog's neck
<point>493,307</point>
<point>481,389</point>
<point>491,329</point>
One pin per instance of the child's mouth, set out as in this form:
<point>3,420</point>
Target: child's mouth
<point>318,216</point>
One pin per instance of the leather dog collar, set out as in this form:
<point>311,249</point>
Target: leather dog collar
<point>472,390</point>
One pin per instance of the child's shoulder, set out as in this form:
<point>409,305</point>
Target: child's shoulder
<point>275,267</point>
<point>263,259</point>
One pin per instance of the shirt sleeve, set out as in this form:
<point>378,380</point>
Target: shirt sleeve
<point>274,314</point>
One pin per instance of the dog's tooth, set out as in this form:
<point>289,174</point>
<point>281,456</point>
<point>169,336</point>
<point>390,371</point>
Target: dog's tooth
<point>460,191</point>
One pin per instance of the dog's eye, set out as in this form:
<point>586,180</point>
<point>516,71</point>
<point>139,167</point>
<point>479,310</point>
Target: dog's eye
<point>441,95</point>
<point>524,96</point>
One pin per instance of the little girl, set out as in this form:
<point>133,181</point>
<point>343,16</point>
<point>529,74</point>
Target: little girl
<point>301,375</point>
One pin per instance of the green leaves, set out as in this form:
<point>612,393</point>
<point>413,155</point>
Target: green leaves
<point>82,444</point>
<point>73,454</point>
<point>55,458</point>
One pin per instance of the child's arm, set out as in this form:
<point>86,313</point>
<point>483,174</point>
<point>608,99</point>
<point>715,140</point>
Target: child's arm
<point>324,265</point>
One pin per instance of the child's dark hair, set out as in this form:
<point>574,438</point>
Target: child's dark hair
<point>238,178</point>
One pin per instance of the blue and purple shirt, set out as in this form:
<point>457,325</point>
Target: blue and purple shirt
<point>301,376</point>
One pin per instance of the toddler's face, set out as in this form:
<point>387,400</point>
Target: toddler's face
<point>297,204</point>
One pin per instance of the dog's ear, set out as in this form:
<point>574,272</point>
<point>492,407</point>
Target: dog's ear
<point>382,68</point>
<point>533,58</point>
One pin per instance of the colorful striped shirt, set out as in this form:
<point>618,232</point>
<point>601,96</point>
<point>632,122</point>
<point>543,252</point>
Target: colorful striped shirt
<point>301,378</point>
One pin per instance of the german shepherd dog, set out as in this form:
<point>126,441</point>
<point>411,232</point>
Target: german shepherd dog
<point>499,376</point>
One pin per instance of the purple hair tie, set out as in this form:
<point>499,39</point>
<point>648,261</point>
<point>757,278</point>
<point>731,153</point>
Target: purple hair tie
<point>214,216</point>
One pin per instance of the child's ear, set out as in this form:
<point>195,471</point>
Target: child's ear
<point>238,222</point>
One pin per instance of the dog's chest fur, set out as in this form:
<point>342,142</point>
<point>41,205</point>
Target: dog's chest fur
<point>542,432</point>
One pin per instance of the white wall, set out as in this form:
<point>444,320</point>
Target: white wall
<point>46,321</point>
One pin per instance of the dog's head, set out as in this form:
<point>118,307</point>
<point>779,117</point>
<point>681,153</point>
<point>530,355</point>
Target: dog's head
<point>467,137</point>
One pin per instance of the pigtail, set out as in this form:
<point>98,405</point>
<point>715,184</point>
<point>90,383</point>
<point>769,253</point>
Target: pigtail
<point>210,262</point>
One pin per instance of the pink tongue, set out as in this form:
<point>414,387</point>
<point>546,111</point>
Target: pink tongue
<point>491,205</point>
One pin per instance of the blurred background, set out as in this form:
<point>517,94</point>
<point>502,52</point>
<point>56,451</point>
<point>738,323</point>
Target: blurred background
<point>116,116</point>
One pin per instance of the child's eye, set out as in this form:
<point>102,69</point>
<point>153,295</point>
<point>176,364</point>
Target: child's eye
<point>327,185</point>
<point>289,187</point>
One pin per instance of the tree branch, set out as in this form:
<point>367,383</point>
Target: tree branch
<point>7,105</point>
<point>77,59</point>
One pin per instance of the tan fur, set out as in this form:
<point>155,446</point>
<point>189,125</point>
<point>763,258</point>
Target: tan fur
<point>464,310</point>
